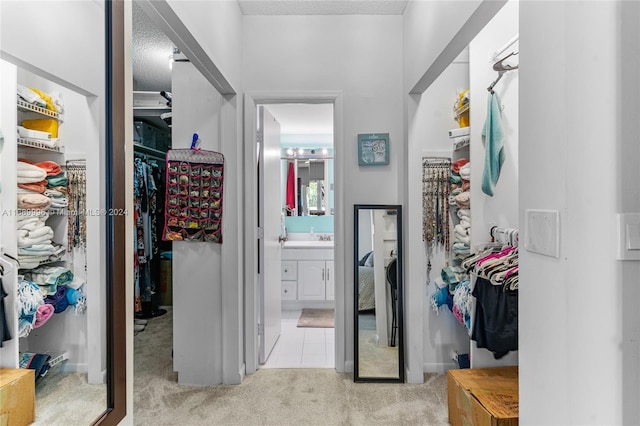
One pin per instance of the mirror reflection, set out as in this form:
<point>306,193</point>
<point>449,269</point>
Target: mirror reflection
<point>308,189</point>
<point>378,312</point>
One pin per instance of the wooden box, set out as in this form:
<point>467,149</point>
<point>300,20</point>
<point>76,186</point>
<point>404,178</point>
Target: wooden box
<point>17,397</point>
<point>483,396</point>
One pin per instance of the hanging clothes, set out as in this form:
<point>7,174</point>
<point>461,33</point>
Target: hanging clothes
<point>495,287</point>
<point>291,189</point>
<point>145,219</point>
<point>495,325</point>
<point>5,334</point>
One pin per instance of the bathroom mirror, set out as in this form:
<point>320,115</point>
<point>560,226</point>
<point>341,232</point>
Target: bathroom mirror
<point>307,185</point>
<point>378,336</point>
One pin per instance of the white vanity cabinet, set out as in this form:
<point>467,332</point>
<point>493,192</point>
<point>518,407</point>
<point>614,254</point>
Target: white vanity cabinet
<point>307,276</point>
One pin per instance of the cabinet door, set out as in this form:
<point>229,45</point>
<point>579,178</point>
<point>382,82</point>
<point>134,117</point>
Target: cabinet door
<point>329,273</point>
<point>289,290</point>
<point>311,279</point>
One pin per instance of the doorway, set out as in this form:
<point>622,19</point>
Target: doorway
<point>254,247</point>
<point>300,137</point>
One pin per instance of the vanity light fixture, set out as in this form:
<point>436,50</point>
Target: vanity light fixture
<point>325,151</point>
<point>289,151</point>
<point>301,151</point>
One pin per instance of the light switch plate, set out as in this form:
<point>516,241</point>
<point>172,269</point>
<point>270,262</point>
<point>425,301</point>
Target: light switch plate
<point>542,232</point>
<point>629,236</point>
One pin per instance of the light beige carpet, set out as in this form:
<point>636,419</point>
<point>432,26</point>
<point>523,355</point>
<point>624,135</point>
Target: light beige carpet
<point>274,396</point>
<point>317,318</point>
<point>67,399</point>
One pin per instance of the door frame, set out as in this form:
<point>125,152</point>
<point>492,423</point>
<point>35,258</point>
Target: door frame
<point>252,283</point>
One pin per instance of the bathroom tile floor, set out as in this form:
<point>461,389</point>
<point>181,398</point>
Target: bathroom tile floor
<point>302,347</point>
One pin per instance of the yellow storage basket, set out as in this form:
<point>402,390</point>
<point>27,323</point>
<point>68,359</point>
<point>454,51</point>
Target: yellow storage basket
<point>48,125</point>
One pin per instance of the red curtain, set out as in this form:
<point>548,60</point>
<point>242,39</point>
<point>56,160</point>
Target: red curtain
<point>291,196</point>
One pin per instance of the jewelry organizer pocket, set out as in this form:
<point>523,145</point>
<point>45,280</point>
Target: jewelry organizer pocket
<point>193,206</point>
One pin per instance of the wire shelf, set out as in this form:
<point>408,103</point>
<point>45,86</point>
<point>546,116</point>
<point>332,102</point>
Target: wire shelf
<point>464,108</point>
<point>462,143</point>
<point>26,106</point>
<point>34,143</point>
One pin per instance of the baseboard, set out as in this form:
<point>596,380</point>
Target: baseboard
<point>293,305</point>
<point>242,372</point>
<point>439,367</point>
<point>348,366</point>
<point>68,367</point>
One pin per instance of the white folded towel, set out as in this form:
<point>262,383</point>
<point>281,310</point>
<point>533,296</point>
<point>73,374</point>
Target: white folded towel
<point>459,229</point>
<point>464,214</point>
<point>37,233</point>
<point>28,173</point>
<point>26,191</point>
<point>25,239</point>
<point>465,171</point>
<point>32,226</point>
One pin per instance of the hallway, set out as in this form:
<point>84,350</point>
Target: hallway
<point>308,396</point>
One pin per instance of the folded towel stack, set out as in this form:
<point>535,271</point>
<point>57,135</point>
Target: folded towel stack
<point>30,173</point>
<point>35,240</point>
<point>461,198</point>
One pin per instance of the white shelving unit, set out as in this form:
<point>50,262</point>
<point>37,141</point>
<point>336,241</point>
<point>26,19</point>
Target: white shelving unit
<point>78,340</point>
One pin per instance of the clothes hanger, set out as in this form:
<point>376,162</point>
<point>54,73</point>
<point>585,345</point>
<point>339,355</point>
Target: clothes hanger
<point>5,266</point>
<point>502,68</point>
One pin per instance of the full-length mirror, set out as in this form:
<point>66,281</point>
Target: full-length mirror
<point>378,341</point>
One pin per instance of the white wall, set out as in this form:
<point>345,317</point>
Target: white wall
<point>197,289</point>
<point>217,26</point>
<point>428,27</point>
<point>56,54</point>
<point>502,208</point>
<point>358,55</point>
<point>578,138</point>
<point>628,200</point>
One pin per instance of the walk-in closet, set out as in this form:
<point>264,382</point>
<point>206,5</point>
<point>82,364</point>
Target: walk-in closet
<point>51,242</point>
<point>469,201</point>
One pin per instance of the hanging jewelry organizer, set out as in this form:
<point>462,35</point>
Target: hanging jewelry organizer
<point>435,205</point>
<point>77,196</point>
<point>193,206</point>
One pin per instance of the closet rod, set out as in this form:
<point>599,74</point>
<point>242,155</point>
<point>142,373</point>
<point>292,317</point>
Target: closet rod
<point>158,155</point>
<point>497,53</point>
<point>504,235</point>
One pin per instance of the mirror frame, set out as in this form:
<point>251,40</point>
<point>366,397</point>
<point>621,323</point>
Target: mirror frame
<point>400,311</point>
<point>115,238</point>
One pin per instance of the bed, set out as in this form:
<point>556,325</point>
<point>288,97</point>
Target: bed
<point>366,288</point>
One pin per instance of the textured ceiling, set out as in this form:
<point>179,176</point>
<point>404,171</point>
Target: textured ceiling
<point>151,52</point>
<point>322,7</point>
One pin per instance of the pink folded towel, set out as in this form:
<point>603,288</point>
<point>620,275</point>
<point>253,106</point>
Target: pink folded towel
<point>43,314</point>
<point>33,201</point>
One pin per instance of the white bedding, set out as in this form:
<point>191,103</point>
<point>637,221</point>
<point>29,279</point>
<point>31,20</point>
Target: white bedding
<point>366,299</point>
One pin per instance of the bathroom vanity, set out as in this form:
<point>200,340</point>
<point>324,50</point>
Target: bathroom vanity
<point>307,274</point>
